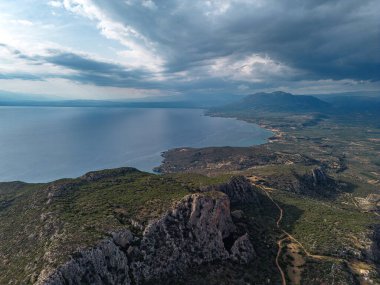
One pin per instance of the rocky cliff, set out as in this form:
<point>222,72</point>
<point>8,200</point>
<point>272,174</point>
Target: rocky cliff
<point>317,183</point>
<point>197,230</point>
<point>105,263</point>
<point>312,181</point>
<point>373,252</point>
<point>239,189</point>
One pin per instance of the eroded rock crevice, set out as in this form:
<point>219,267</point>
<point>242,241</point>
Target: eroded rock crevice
<point>197,230</point>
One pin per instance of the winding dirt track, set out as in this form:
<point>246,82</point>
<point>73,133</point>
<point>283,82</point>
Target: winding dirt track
<point>279,208</point>
<point>305,250</point>
<point>288,236</point>
<point>279,242</point>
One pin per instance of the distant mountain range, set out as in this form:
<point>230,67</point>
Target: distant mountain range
<point>282,102</point>
<point>354,103</point>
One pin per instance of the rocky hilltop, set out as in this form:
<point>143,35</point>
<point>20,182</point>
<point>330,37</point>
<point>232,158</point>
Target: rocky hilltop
<point>152,242</point>
<point>239,190</point>
<point>193,232</point>
<point>313,181</point>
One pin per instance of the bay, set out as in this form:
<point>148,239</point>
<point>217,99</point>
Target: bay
<point>40,144</point>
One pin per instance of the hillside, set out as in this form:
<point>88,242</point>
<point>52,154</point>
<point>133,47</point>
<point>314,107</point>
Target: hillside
<point>124,226</point>
<point>278,102</point>
<point>281,102</point>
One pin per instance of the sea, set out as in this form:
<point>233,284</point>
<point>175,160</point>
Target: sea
<point>40,144</point>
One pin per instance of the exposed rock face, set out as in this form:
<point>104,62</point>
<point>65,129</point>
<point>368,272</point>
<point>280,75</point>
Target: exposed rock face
<point>374,250</point>
<point>104,264</point>
<point>370,203</point>
<point>239,189</point>
<point>315,182</point>
<point>319,177</point>
<point>197,230</point>
<point>242,250</point>
<point>192,233</point>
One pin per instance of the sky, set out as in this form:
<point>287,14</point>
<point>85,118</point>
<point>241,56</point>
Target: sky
<point>130,49</point>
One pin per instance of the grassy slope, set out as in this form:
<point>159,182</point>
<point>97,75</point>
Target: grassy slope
<point>35,233</point>
<point>323,227</point>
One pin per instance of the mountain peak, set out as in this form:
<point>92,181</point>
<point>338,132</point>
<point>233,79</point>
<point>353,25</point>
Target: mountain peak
<point>280,101</point>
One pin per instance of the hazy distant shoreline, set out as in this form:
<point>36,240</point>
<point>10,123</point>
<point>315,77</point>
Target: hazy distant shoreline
<point>43,144</point>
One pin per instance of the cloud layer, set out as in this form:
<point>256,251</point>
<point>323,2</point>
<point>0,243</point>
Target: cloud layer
<point>194,47</point>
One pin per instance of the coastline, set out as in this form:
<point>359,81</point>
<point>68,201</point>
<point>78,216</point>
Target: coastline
<point>97,154</point>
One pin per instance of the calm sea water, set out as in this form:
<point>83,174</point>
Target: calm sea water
<point>43,144</point>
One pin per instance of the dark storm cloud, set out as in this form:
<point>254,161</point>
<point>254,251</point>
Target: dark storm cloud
<point>226,46</point>
<point>324,39</point>
<point>97,72</point>
<point>81,63</point>
<point>86,70</point>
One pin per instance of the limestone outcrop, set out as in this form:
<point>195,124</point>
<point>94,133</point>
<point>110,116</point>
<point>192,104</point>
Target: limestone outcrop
<point>371,203</point>
<point>106,263</point>
<point>239,189</point>
<point>314,182</point>
<point>197,230</point>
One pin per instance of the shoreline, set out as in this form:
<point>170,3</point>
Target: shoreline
<point>266,138</point>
